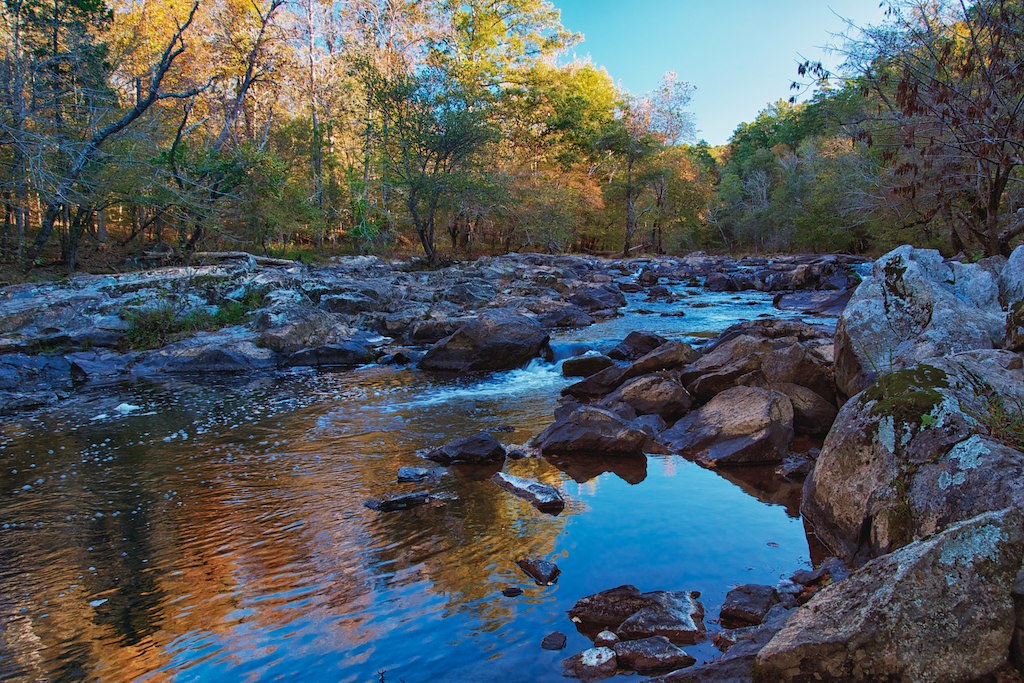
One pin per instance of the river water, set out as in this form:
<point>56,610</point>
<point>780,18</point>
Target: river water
<point>214,530</point>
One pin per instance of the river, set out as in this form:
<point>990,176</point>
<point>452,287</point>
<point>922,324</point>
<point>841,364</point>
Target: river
<point>214,530</point>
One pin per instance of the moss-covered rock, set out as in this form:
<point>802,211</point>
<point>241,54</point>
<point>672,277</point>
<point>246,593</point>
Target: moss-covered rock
<point>890,470</point>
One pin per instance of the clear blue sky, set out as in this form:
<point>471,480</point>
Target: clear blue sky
<point>741,54</point>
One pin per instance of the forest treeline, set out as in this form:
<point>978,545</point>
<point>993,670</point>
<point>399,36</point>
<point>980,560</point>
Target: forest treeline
<point>459,127</point>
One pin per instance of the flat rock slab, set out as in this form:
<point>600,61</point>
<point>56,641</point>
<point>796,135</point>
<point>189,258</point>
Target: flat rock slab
<point>543,497</point>
<point>651,655</point>
<point>544,573</point>
<point>404,501</point>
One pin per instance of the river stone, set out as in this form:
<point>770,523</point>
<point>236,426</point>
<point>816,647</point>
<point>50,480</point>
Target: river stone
<point>655,394</point>
<point>636,345</point>
<point>598,384</point>
<point>631,614</point>
<point>669,356</point>
<point>591,665</point>
<point>591,430</point>
<point>736,665</point>
<point>295,326</point>
<point>98,366</point>
<point>479,449</point>
<point>914,307</point>
<point>404,501</point>
<point>747,605</point>
<point>554,641</point>
<point>1011,278</point>
<point>652,654</point>
<point>418,474</point>
<point>347,353</point>
<point>600,299</point>
<point>935,610</point>
<point>795,364</point>
<point>585,366</point>
<point>812,414</point>
<point>543,573</point>
<point>907,456</point>
<point>740,426</point>
<point>542,496</point>
<point>496,340</point>
<point>561,314</point>
<point>433,330</point>
<point>676,615</point>
<point>606,639</point>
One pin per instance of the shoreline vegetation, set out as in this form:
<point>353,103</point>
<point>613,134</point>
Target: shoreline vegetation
<point>454,130</point>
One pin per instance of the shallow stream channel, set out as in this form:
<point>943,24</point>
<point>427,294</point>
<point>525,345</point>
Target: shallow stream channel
<point>215,530</point>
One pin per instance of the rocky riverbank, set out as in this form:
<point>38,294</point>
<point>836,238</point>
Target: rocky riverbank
<point>905,421</point>
<point>244,315</point>
<point>917,487</point>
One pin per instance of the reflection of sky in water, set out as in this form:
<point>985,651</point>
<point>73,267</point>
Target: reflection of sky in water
<point>218,533</point>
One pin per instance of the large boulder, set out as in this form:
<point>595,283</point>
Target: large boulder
<point>910,455</point>
<point>740,426</point>
<point>293,326</point>
<point>913,306</point>
<point>589,430</point>
<point>602,299</point>
<point>656,394</point>
<point>939,609</point>
<point>496,340</point>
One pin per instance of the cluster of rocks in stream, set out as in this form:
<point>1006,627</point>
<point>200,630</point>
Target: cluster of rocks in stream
<point>488,314</point>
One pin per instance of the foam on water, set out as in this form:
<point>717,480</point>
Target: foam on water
<point>537,377</point>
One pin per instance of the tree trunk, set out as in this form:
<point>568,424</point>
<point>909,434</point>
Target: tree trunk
<point>630,208</point>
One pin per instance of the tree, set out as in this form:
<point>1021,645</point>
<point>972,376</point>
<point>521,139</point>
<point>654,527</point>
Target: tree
<point>85,155</point>
<point>949,77</point>
<point>436,131</point>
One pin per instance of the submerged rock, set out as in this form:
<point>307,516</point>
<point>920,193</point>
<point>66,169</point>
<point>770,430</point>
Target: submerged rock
<point>554,641</point>
<point>542,496</point>
<point>404,501</point>
<point>418,474</point>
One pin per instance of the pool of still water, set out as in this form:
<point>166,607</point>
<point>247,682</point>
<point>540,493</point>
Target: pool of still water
<point>215,530</point>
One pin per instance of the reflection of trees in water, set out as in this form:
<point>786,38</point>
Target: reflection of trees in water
<point>467,548</point>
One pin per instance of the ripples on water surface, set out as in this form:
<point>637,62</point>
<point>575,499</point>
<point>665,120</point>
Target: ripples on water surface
<point>216,530</point>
